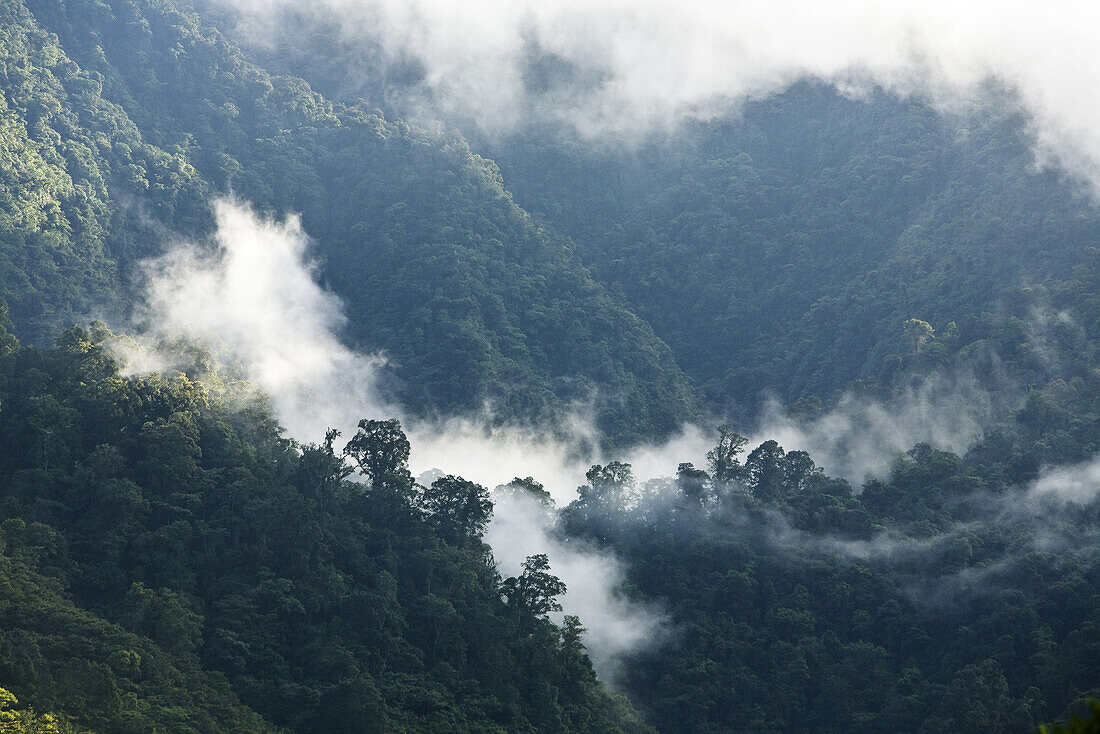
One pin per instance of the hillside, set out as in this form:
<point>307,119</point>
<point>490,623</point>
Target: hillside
<point>472,299</point>
<point>784,250</point>
<point>892,291</point>
<point>169,561</point>
<point>779,248</point>
<point>75,179</point>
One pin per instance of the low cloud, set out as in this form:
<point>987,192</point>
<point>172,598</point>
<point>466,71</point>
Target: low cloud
<point>624,67</point>
<point>254,301</point>
<point>616,625</point>
<point>859,438</point>
<point>1078,484</point>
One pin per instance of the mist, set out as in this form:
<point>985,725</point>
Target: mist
<point>255,302</point>
<point>622,68</point>
<point>616,624</point>
<point>1078,484</point>
<point>253,299</point>
<point>858,438</point>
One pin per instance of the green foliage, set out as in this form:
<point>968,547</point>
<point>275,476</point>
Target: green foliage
<point>473,299</point>
<point>26,721</point>
<point>71,159</point>
<point>171,564</point>
<point>1089,724</point>
<point>526,487</point>
<point>460,508</point>
<point>533,594</point>
<point>922,604</point>
<point>381,450</point>
<point>813,242</point>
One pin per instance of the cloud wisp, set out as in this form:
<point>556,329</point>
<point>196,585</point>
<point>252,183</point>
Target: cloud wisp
<point>616,625</point>
<point>859,438</point>
<point>624,67</point>
<point>255,302</point>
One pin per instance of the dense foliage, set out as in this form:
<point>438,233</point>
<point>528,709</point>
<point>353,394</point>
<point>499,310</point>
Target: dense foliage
<point>73,167</point>
<point>169,561</point>
<point>784,250</point>
<point>472,299</point>
<point>937,600</point>
<point>953,595</point>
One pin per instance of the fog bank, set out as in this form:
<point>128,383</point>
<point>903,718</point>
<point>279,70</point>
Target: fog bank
<point>625,67</point>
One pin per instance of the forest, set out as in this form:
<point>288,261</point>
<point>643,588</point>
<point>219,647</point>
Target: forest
<point>703,329</point>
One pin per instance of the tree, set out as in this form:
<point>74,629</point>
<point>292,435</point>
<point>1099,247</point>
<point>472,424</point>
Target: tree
<point>611,485</point>
<point>8,342</point>
<point>798,469</point>
<point>722,459</point>
<point>461,508</point>
<point>765,471</point>
<point>692,483</point>
<point>526,487</point>
<point>610,491</point>
<point>320,468</point>
<point>533,594</point>
<point>917,333</point>
<point>26,721</point>
<point>381,450</point>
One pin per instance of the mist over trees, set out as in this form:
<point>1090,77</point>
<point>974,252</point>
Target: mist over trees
<point>172,560</point>
<point>175,532</point>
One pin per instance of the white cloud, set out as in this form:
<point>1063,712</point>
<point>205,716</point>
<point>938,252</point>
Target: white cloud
<point>859,438</point>
<point>616,625</point>
<point>1077,484</point>
<point>255,302</point>
<point>641,64</point>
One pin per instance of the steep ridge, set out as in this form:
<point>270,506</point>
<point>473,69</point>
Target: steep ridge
<point>780,248</point>
<point>471,298</point>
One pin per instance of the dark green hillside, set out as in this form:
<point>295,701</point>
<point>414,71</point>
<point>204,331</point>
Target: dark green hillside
<point>910,608</point>
<point>785,249</point>
<point>165,556</point>
<point>102,676</point>
<point>170,562</point>
<point>946,597</point>
<point>782,248</point>
<point>181,556</point>
<point>472,298</point>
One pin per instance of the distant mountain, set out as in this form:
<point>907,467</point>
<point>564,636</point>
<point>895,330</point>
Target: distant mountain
<point>780,248</point>
<point>784,249</point>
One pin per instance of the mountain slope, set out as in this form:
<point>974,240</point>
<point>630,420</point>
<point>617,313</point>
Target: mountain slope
<point>166,553</point>
<point>73,182</point>
<point>783,247</point>
<point>784,250</point>
<point>471,298</point>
